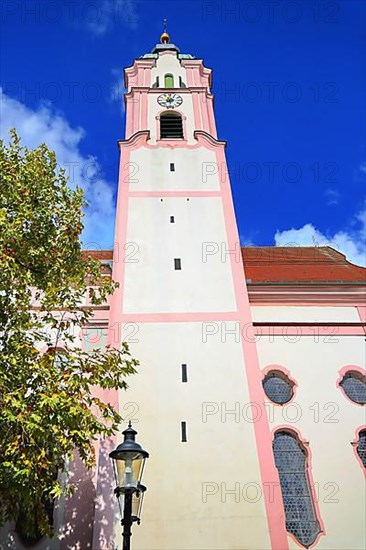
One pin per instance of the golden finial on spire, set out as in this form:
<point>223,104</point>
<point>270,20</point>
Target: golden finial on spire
<point>165,38</point>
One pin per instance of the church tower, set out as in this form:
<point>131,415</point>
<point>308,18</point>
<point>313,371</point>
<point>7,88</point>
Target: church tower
<point>251,390</point>
<point>183,308</point>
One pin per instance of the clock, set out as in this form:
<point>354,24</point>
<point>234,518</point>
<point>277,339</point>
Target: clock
<point>170,101</point>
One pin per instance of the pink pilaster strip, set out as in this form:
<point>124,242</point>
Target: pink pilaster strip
<point>269,473</point>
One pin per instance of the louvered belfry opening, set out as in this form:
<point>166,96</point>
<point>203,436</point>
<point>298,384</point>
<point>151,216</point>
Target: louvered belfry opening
<point>171,126</point>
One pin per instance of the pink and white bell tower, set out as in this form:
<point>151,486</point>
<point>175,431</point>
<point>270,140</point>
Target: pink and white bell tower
<point>183,307</point>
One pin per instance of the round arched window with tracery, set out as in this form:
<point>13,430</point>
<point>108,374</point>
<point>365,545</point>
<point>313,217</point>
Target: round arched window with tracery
<point>278,387</point>
<point>353,384</point>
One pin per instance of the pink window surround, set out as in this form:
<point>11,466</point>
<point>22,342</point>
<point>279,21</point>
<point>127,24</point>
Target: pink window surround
<point>286,373</point>
<point>309,472</point>
<point>342,372</point>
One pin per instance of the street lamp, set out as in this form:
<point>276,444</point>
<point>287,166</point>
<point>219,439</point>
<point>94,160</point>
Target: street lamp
<point>128,465</point>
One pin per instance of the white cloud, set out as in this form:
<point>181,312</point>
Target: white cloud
<point>100,16</point>
<point>118,89</point>
<point>332,196</point>
<point>44,125</point>
<point>351,242</point>
<point>246,241</point>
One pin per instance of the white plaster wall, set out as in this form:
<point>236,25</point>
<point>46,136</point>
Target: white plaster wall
<point>195,170</point>
<point>152,285</point>
<point>221,450</point>
<point>306,314</point>
<point>328,421</point>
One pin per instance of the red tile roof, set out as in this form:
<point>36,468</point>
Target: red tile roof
<point>98,254</point>
<point>285,264</point>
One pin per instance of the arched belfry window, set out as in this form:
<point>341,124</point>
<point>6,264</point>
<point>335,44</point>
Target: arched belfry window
<point>278,387</point>
<point>361,447</point>
<point>169,81</point>
<point>353,384</point>
<point>291,462</point>
<point>171,126</point>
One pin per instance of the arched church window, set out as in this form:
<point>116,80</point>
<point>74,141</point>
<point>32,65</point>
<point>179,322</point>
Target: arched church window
<point>277,387</point>
<point>156,83</point>
<point>353,384</point>
<point>361,447</point>
<point>169,81</point>
<point>291,462</point>
<point>171,126</point>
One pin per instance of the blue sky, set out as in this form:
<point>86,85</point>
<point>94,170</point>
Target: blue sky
<point>289,85</point>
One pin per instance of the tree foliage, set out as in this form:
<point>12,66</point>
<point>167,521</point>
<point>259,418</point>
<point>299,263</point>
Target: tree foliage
<point>47,406</point>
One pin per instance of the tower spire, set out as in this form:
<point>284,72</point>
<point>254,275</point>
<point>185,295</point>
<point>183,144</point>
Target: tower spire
<point>165,38</point>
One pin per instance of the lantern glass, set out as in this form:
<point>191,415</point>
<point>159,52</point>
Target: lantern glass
<point>137,501</point>
<point>128,470</point>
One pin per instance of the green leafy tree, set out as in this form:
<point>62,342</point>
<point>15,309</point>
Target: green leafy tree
<point>48,410</point>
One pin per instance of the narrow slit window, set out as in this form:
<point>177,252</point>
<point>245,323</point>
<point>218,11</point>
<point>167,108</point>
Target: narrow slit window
<point>184,373</point>
<point>177,264</point>
<point>172,167</point>
<point>184,431</point>
<point>172,220</point>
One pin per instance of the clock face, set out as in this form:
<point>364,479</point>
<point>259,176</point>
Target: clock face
<point>170,101</point>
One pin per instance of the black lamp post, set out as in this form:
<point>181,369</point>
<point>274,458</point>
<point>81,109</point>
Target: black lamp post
<point>128,464</point>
